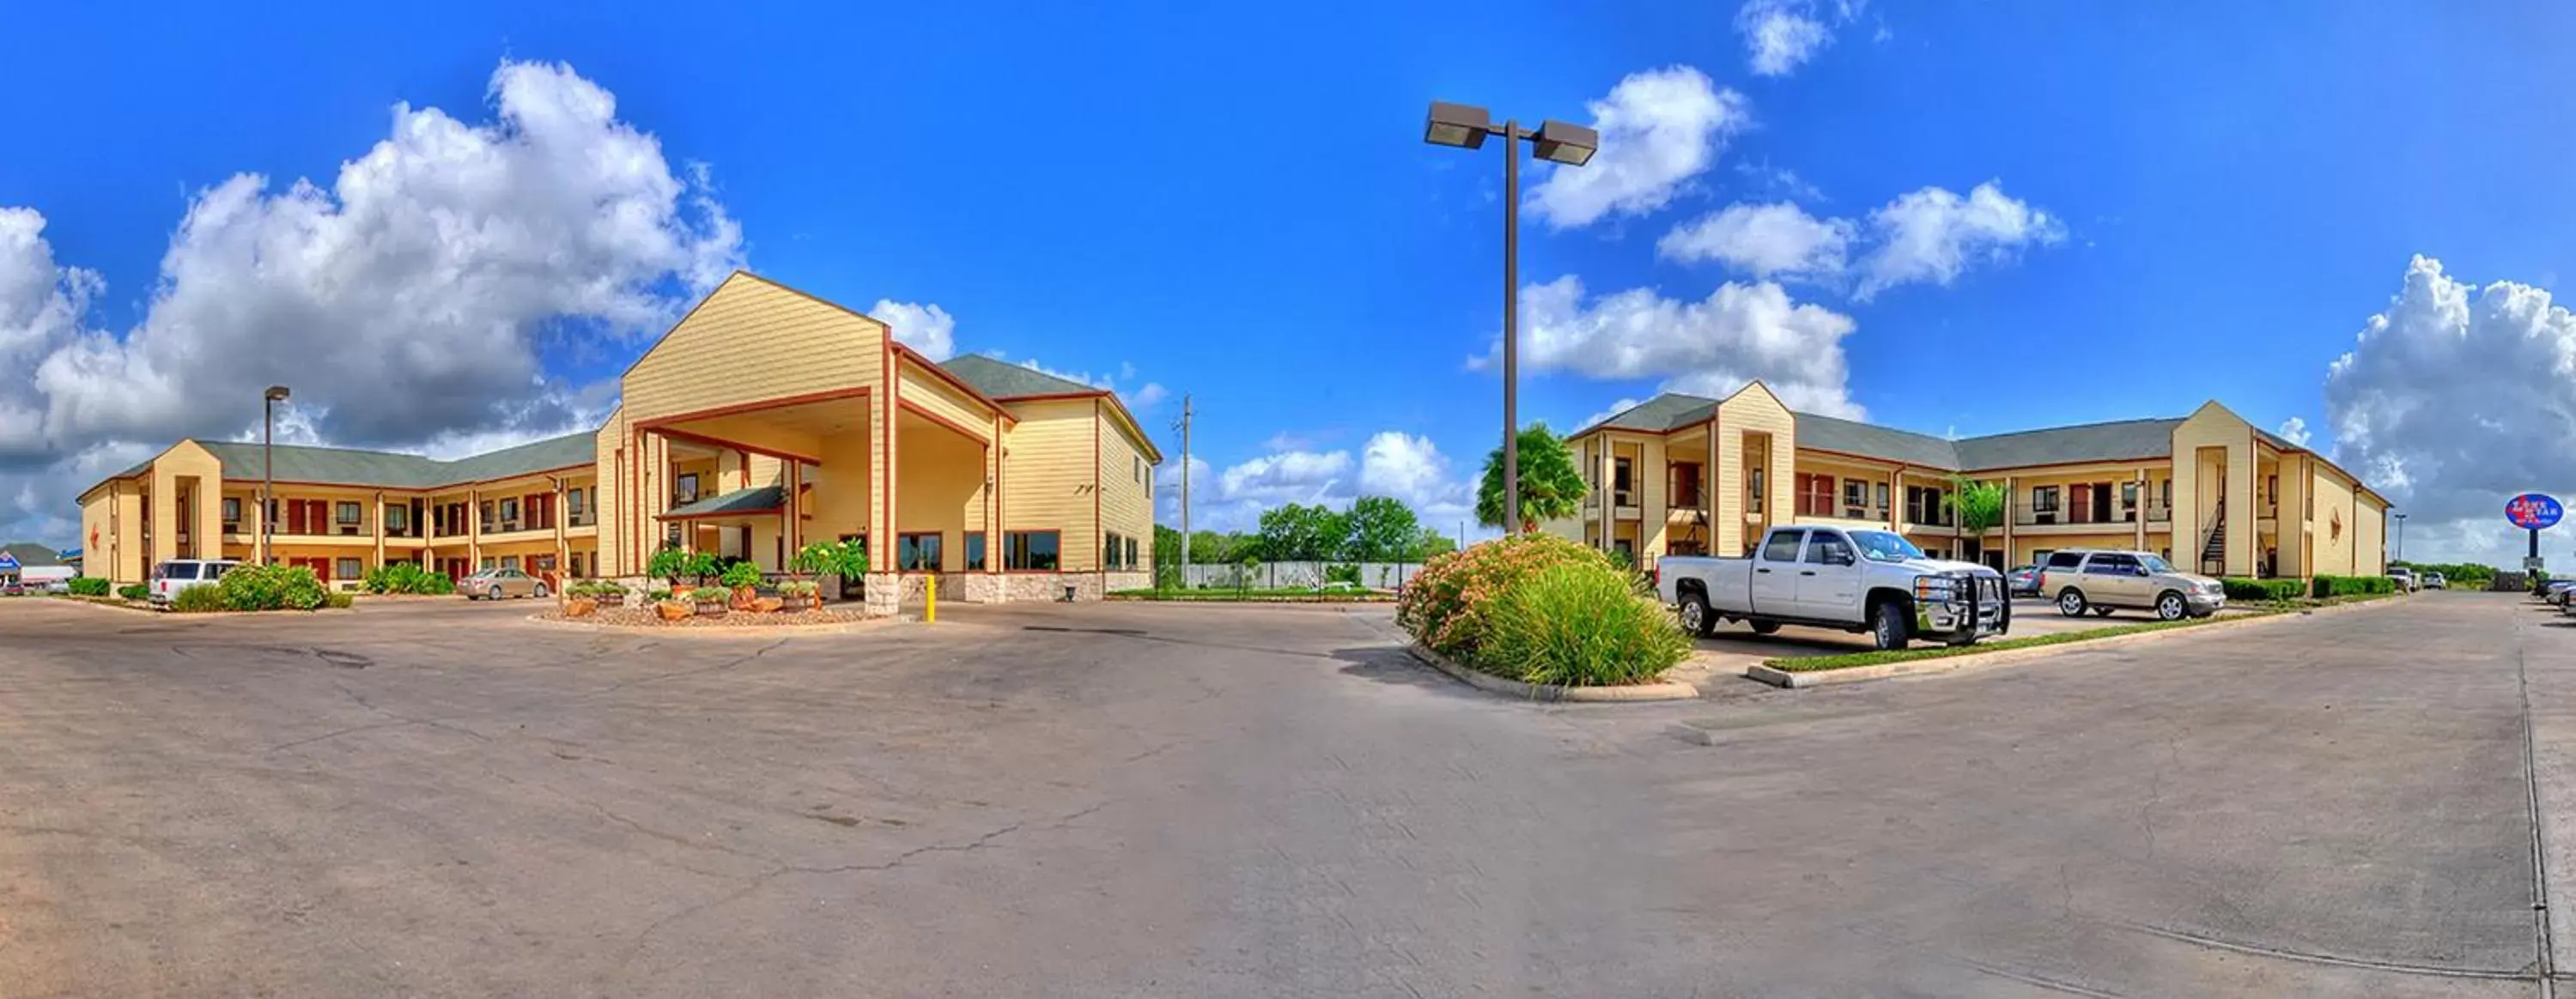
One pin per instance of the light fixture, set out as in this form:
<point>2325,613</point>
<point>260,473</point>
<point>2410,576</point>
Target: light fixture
<point>1461,125</point>
<point>277,393</point>
<point>1559,142</point>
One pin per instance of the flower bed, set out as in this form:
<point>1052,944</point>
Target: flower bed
<point>1544,610</point>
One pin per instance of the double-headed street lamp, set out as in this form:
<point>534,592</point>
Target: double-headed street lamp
<point>268,469</point>
<point>1466,127</point>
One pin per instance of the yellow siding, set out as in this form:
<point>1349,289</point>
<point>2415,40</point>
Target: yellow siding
<point>940,487</point>
<point>1126,488</point>
<point>1753,410</point>
<point>112,532</point>
<point>1047,477</point>
<point>2334,536</point>
<point>2370,537</point>
<point>840,496</point>
<point>934,394</point>
<point>2223,440</point>
<point>751,340</point>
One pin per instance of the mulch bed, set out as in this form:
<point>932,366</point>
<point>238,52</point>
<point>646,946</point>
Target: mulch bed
<point>643,617</point>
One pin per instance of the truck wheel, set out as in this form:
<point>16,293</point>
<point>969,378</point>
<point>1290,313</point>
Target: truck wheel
<point>2169,607</point>
<point>2070,602</point>
<point>1695,616</point>
<point>1761,627</point>
<point>1887,624</point>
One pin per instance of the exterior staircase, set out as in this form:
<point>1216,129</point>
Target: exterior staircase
<point>2214,551</point>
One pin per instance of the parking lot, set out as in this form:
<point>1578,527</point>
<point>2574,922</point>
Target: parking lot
<point>1142,800</point>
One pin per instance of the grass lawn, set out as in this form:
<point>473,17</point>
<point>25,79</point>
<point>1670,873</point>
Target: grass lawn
<point>1254,594</point>
<point>1876,657</point>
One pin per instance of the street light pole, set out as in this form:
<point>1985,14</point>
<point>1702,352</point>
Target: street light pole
<point>268,470</point>
<point>1466,127</point>
<point>2401,535</point>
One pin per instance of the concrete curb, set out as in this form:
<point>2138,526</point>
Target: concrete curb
<point>1258,602</point>
<point>1542,692</point>
<point>1974,662</point>
<point>743,631</point>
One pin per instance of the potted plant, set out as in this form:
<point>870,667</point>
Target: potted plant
<point>712,601</point>
<point>743,578</point>
<point>800,595</point>
<point>669,565</point>
<point>608,593</point>
<point>846,560</point>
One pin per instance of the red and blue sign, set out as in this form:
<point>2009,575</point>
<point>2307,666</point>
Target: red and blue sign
<point>2533,511</point>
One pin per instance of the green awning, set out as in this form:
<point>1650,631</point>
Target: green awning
<point>740,502</point>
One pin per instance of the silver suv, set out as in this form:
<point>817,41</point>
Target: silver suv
<point>2082,579</point>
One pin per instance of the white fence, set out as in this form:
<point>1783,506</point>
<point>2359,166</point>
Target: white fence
<point>1295,575</point>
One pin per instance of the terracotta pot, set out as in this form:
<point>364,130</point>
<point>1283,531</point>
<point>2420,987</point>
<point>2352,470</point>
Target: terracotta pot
<point>580,607</point>
<point>766,605</point>
<point>743,597</point>
<point>711,603</point>
<point>671,610</point>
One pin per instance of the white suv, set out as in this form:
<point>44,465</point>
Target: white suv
<point>178,574</point>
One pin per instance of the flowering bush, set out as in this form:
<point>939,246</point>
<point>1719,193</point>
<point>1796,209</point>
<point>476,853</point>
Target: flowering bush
<point>261,588</point>
<point>1447,606</point>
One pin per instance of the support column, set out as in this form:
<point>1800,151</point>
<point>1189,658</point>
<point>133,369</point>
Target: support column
<point>473,530</point>
<point>2011,494</point>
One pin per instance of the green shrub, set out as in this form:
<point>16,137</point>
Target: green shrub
<point>337,600</point>
<point>657,595</point>
<point>88,586</point>
<point>407,577</point>
<point>2268,590</point>
<point>2352,586</point>
<point>272,587</point>
<point>739,575</point>
<point>1344,573</point>
<point>1446,605</point>
<point>668,564</point>
<point>134,591</point>
<point>1579,626</point>
<point>199,600</point>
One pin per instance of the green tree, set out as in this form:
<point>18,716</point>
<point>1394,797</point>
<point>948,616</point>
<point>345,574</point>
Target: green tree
<point>1381,529</point>
<point>1429,543</point>
<point>1295,533</point>
<point>1212,548</point>
<point>1551,487</point>
<point>1975,505</point>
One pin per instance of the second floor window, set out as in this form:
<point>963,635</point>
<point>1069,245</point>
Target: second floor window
<point>572,503</point>
<point>232,513</point>
<point>346,514</point>
<point>2043,499</point>
<point>686,490</point>
<point>1686,491</point>
<point>1855,498</point>
<point>397,519</point>
<point>509,511</point>
<point>1619,481</point>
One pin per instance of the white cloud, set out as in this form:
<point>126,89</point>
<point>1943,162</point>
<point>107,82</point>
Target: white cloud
<point>1146,396</point>
<point>2455,399</point>
<point>406,303</point>
<point>1933,234</point>
<point>1763,240</point>
<point>1623,405</point>
<point>1405,466</point>
<point>2294,430</point>
<point>1139,400</point>
<point>1780,34</point>
<point>1659,129</point>
<point>1739,333</point>
<point>926,328</point>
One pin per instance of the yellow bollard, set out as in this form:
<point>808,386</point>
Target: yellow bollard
<point>930,606</point>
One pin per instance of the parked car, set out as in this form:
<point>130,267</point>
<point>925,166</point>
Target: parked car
<point>1852,580</point>
<point>496,584</point>
<point>2024,580</point>
<point>178,574</point>
<point>2084,579</point>
<point>2555,591</point>
<point>13,588</point>
<point>2434,581</point>
<point>2405,578</point>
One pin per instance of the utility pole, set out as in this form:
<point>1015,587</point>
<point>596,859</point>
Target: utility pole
<point>1185,491</point>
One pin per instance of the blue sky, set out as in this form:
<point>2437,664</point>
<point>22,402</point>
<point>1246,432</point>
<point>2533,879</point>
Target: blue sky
<point>2189,201</point>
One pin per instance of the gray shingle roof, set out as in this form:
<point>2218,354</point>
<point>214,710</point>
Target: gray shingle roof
<point>1003,380</point>
<point>31,555</point>
<point>386,469</point>
<point>757,499</point>
<point>2119,439</point>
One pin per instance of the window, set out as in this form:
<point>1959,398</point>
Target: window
<point>232,514</point>
<point>1140,467</point>
<point>510,513</point>
<point>2043,501</point>
<point>974,551</point>
<point>1815,495</point>
<point>397,519</point>
<point>917,552</point>
<point>2061,560</point>
<point>510,562</point>
<point>1110,550</point>
<point>1754,502</point>
<point>2165,492</point>
<point>345,512</point>
<point>1828,548</point>
<point>2272,490</point>
<point>577,567</point>
<point>346,568</point>
<point>1030,551</point>
<point>1131,553</point>
<point>487,515</point>
<point>1686,484</point>
<point>1923,506</point>
<point>544,563</point>
<point>572,502</point>
<point>1855,499</point>
<point>2111,565</point>
<point>1619,481</point>
<point>1882,499</point>
<point>1783,546</point>
<point>687,489</point>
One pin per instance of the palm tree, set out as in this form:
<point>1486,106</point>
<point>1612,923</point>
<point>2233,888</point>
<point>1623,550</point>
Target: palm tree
<point>1551,487</point>
<point>1976,505</point>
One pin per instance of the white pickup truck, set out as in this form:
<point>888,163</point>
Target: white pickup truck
<point>1854,579</point>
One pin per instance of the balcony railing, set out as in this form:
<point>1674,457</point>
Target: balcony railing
<point>2026,515</point>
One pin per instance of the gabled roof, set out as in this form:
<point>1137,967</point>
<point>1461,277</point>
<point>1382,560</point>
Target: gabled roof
<point>31,555</point>
<point>1669,411</point>
<point>2118,440</point>
<point>1004,380</point>
<point>389,470</point>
